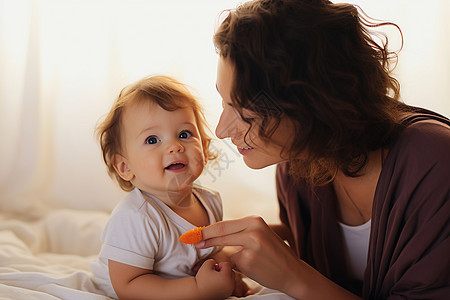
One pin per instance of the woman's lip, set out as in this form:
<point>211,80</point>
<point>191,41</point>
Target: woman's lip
<point>244,151</point>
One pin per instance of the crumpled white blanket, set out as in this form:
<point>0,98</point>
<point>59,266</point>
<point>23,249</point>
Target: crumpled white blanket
<point>49,258</point>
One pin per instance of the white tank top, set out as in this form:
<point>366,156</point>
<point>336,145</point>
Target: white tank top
<point>356,247</point>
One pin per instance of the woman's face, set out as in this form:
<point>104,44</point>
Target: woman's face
<point>257,153</point>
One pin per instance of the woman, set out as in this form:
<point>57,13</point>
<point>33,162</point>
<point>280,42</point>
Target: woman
<point>362,178</point>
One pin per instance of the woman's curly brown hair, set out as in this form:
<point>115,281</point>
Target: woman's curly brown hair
<point>165,91</point>
<point>318,64</point>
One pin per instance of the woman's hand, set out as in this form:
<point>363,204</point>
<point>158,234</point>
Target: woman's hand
<point>267,259</point>
<point>264,256</point>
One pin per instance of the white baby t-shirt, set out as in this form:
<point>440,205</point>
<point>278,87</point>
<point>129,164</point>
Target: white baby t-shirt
<point>143,232</point>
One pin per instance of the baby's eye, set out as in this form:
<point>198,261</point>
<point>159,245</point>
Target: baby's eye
<point>152,140</point>
<point>185,134</point>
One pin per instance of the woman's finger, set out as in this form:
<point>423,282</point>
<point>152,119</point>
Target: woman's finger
<point>224,228</point>
<point>235,239</point>
<point>231,226</point>
<point>232,232</point>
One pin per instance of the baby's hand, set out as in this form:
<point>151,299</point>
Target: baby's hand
<point>241,289</point>
<point>215,281</point>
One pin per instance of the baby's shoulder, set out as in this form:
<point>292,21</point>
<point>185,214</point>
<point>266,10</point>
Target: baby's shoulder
<point>135,209</point>
<point>211,199</point>
<point>206,193</point>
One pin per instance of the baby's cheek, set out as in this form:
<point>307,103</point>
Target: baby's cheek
<point>200,159</point>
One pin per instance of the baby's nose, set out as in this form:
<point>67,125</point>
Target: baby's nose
<point>175,147</point>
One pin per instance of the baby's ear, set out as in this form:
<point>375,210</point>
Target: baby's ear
<point>120,164</point>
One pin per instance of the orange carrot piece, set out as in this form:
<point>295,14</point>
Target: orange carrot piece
<point>192,236</point>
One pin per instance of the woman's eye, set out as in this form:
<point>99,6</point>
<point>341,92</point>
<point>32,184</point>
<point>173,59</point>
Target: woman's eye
<point>185,134</point>
<point>224,104</point>
<point>151,140</point>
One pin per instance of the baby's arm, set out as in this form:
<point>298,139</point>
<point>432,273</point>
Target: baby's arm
<point>211,282</point>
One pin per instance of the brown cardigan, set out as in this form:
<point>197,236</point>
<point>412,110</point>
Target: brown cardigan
<point>409,248</point>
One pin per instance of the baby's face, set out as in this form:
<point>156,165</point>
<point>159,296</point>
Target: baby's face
<point>163,150</point>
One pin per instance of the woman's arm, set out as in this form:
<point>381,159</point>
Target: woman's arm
<point>267,259</point>
<point>213,281</point>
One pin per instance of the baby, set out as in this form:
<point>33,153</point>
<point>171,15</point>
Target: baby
<point>154,143</point>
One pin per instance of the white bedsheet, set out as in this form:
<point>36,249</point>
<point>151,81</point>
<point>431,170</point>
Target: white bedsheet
<point>49,258</point>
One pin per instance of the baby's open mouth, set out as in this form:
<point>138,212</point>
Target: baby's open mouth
<point>175,166</point>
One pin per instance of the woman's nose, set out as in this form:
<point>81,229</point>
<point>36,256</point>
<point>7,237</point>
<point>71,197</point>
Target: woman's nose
<point>227,126</point>
<point>175,147</point>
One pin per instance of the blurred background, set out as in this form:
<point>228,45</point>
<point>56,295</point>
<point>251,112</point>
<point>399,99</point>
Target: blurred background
<point>63,63</point>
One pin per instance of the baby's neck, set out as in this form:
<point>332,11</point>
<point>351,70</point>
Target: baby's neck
<point>185,204</point>
<point>180,200</point>
<point>175,199</point>
<point>195,213</point>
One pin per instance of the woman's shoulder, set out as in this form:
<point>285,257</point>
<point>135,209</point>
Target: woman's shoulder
<point>425,133</point>
<point>418,114</point>
<point>421,152</point>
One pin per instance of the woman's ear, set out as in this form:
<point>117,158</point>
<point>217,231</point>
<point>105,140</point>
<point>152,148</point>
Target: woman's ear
<point>120,164</point>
